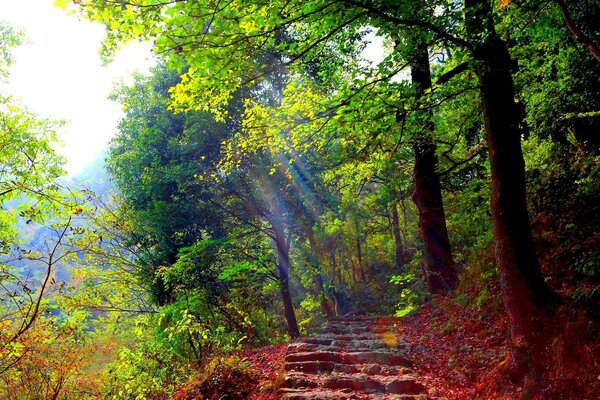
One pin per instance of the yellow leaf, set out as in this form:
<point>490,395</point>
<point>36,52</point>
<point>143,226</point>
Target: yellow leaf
<point>136,29</point>
<point>62,4</point>
<point>503,3</point>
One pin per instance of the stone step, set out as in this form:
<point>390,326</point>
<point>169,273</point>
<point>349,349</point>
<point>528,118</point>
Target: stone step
<point>299,347</point>
<point>317,339</point>
<point>353,382</point>
<point>293,394</point>
<point>381,357</point>
<point>378,329</point>
<point>362,358</point>
<point>299,380</point>
<point>330,356</point>
<point>371,344</point>
<point>348,342</point>
<point>358,382</point>
<point>346,345</point>
<point>323,394</point>
<point>320,367</point>
<point>345,335</point>
<point>386,396</point>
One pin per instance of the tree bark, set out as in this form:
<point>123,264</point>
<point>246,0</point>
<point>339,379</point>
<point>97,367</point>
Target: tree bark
<point>361,266</point>
<point>526,296</point>
<point>582,37</point>
<point>283,265</point>
<point>318,254</point>
<point>334,265</point>
<point>282,249</point>
<point>398,248</point>
<point>440,268</point>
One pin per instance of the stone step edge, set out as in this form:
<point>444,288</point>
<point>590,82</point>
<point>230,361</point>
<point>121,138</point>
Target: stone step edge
<point>363,384</point>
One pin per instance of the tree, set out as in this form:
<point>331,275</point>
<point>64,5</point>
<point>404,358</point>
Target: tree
<point>526,297</point>
<point>440,267</point>
<point>183,198</point>
<point>343,23</point>
<point>229,36</point>
<point>30,195</point>
<point>42,345</point>
<point>154,162</point>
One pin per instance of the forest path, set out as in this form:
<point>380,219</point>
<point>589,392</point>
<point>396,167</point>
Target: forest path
<point>356,358</point>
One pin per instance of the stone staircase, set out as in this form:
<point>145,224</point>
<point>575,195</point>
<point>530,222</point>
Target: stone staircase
<point>358,358</point>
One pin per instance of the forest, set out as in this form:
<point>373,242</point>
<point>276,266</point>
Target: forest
<point>294,165</point>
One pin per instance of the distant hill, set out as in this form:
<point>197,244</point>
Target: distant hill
<point>93,176</point>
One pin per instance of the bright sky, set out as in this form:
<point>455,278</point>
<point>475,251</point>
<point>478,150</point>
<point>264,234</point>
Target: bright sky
<point>59,75</point>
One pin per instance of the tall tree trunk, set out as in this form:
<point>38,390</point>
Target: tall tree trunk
<point>359,248</point>
<point>318,254</point>
<point>361,267</point>
<point>353,269</point>
<point>283,265</point>
<point>398,248</point>
<point>326,305</point>
<point>439,265</point>
<point>526,296</point>
<point>317,251</point>
<point>334,265</point>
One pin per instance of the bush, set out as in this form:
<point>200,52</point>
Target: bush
<point>223,378</point>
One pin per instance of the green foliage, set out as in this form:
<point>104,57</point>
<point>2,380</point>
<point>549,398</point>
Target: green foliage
<point>557,78</point>
<point>268,146</point>
<point>156,161</point>
<point>196,266</point>
<point>30,169</point>
<point>403,280</point>
<point>137,375</point>
<point>42,345</point>
<point>410,298</point>
<point>10,38</point>
<point>191,329</point>
<point>571,224</point>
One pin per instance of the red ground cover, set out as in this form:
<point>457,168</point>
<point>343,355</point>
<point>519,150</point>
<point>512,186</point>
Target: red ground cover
<point>461,356</point>
<point>457,353</point>
<point>268,362</point>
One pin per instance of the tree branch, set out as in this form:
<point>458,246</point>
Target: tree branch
<point>582,37</point>
<point>452,73</point>
<point>410,22</point>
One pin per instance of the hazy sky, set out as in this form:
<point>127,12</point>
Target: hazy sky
<point>59,74</point>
